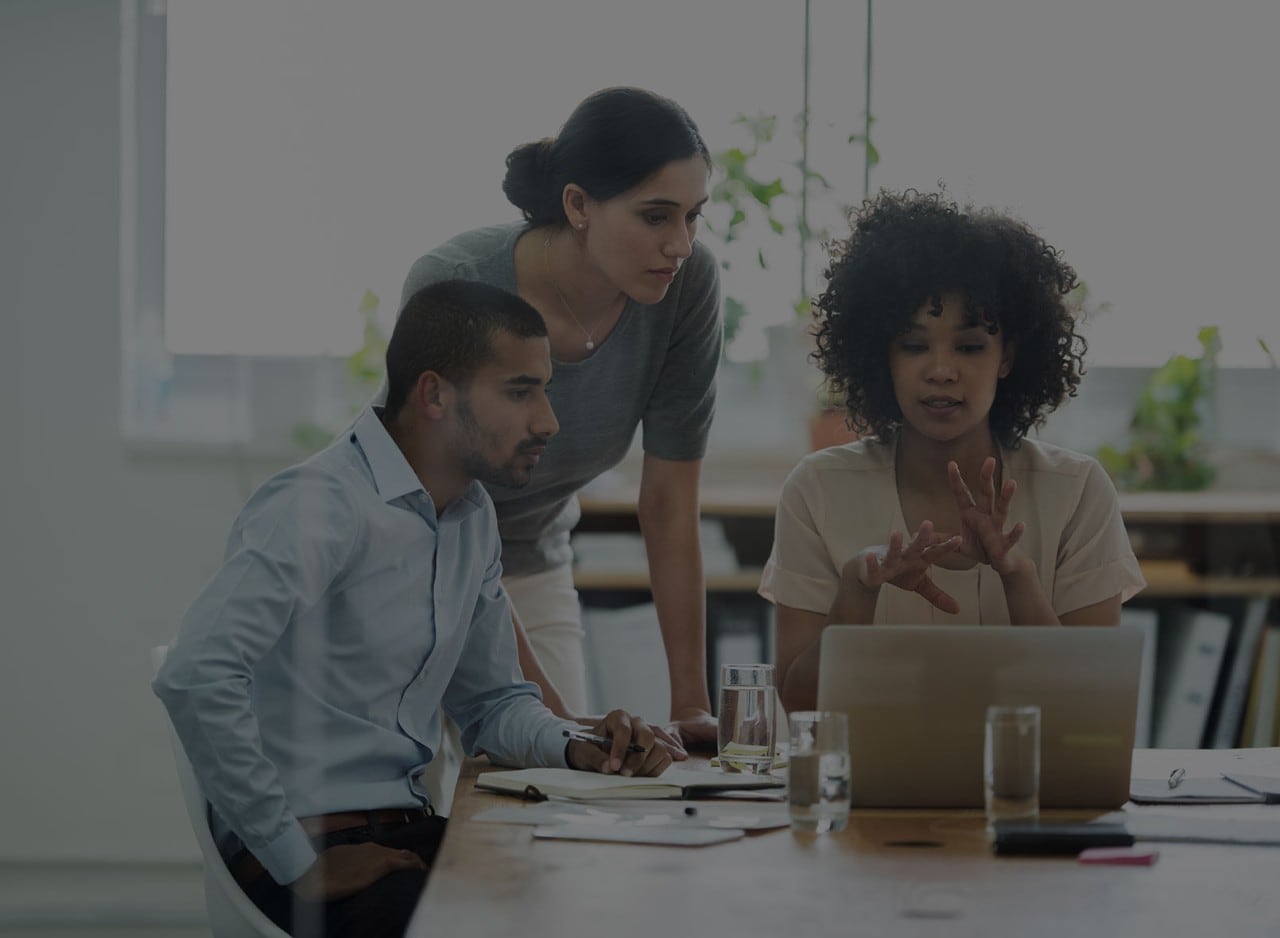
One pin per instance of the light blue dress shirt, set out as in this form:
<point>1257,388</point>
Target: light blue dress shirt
<point>309,675</point>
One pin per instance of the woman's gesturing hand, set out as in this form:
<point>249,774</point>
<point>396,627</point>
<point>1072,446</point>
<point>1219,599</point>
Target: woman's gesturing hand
<point>906,566</point>
<point>983,535</point>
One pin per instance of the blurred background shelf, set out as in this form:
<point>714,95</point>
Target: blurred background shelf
<point>1165,579</point>
<point>745,581</point>
<point>1175,578</point>
<point>1208,556</point>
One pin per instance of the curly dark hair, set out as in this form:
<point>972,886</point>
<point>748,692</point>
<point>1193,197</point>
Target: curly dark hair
<point>908,248</point>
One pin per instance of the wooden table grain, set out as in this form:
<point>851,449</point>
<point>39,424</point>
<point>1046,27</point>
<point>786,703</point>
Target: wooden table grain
<point>910,873</point>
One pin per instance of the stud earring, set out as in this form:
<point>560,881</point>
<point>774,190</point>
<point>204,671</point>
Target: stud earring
<point>582,224</point>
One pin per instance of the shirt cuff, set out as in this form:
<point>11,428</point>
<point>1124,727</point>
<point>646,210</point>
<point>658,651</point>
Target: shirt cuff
<point>550,744</point>
<point>800,592</point>
<point>289,855</point>
<point>1123,576</point>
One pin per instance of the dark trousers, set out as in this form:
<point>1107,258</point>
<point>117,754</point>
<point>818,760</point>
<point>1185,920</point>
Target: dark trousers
<point>381,911</point>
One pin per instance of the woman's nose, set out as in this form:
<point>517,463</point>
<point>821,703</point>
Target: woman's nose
<point>941,367</point>
<point>680,246</point>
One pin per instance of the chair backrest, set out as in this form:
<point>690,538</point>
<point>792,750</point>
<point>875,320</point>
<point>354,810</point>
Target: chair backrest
<point>231,913</point>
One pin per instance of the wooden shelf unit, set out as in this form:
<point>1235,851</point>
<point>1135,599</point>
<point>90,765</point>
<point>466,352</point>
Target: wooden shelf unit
<point>744,581</point>
<point>1216,551</point>
<point>1165,579</point>
<point>1190,544</point>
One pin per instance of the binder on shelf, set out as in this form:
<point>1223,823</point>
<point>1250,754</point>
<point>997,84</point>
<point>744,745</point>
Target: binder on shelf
<point>1238,673</point>
<point>1188,661</point>
<point>1264,696</point>
<point>1147,621</point>
<point>626,661</point>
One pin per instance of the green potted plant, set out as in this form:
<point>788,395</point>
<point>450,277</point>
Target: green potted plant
<point>364,371</point>
<point>1167,449</point>
<point>745,201</point>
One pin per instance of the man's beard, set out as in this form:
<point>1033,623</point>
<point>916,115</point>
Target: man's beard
<point>508,474</point>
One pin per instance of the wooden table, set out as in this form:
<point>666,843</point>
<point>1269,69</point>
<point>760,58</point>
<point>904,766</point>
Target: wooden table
<point>493,879</point>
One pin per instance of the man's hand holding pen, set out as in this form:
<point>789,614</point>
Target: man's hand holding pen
<point>669,735</point>
<point>618,744</point>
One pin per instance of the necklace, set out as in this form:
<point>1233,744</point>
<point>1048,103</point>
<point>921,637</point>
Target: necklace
<point>546,261</point>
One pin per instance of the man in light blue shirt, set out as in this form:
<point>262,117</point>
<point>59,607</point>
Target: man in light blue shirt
<point>360,596</point>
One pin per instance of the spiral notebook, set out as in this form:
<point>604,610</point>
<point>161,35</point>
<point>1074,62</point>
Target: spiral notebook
<point>1218,790</point>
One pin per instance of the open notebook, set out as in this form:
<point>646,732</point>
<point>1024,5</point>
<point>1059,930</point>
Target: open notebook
<point>675,782</point>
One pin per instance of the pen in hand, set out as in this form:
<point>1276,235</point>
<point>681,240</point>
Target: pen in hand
<point>603,741</point>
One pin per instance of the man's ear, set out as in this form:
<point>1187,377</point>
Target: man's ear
<point>432,395</point>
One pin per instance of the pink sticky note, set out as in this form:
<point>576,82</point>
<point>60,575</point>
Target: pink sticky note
<point>1118,856</point>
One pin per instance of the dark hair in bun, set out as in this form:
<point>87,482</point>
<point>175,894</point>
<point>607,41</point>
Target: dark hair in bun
<point>613,140</point>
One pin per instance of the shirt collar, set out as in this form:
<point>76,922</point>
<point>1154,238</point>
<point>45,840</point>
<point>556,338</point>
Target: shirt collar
<point>393,477</point>
<point>474,497</point>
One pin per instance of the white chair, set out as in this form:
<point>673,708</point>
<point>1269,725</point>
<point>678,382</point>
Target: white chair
<point>231,913</point>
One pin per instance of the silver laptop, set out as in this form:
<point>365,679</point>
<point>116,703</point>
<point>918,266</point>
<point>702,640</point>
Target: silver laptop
<point>917,696</point>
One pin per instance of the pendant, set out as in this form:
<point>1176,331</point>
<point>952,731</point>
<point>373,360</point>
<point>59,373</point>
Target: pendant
<point>590,345</point>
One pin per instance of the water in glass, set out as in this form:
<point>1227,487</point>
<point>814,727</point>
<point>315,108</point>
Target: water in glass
<point>1011,764</point>
<point>746,728</point>
<point>819,791</point>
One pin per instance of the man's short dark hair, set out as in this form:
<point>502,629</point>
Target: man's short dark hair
<point>448,327</point>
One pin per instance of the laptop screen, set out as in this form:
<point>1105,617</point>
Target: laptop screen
<point>916,697</point>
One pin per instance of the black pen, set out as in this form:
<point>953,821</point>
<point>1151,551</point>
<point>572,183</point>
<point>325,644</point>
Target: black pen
<point>604,741</point>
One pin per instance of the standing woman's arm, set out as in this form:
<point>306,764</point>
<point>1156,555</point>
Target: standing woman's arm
<point>669,517</point>
<point>532,671</point>
<point>677,423</point>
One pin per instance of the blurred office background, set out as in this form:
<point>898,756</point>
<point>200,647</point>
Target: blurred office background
<point>194,199</point>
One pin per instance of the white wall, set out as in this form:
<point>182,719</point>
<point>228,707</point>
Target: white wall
<point>103,547</point>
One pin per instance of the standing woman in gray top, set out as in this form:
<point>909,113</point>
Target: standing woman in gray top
<point>606,253</point>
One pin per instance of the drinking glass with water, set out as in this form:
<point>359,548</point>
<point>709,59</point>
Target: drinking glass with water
<point>1011,764</point>
<point>818,790</point>
<point>746,715</point>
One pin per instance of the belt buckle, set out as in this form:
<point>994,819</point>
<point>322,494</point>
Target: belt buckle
<point>407,816</point>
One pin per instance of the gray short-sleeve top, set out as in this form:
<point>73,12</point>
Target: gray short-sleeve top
<point>656,370</point>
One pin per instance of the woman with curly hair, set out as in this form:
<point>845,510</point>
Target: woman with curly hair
<point>948,333</point>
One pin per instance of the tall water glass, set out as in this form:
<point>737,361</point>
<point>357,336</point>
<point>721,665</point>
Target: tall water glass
<point>818,788</point>
<point>1011,764</point>
<point>746,732</point>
